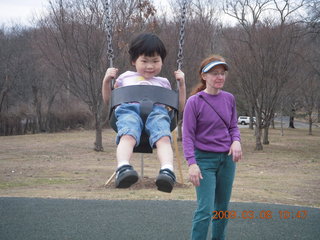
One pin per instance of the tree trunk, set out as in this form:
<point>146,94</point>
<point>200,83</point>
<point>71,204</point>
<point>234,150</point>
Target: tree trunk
<point>98,142</point>
<point>281,119</point>
<point>291,120</point>
<point>251,123</point>
<point>266,135</point>
<point>37,106</point>
<point>48,114</point>
<point>318,118</point>
<point>281,122</point>
<point>258,132</point>
<point>3,94</point>
<point>4,91</point>
<point>310,123</point>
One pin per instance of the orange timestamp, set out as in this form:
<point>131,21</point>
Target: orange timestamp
<point>263,214</point>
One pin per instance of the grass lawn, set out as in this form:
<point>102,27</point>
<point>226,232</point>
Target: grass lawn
<point>64,165</point>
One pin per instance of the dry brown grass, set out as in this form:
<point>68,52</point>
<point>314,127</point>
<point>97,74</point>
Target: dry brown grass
<point>64,165</point>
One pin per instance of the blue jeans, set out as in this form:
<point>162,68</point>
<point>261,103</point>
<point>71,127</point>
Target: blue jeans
<point>130,123</point>
<point>213,194</point>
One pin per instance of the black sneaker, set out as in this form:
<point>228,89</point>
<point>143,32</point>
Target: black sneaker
<point>165,180</point>
<point>126,176</point>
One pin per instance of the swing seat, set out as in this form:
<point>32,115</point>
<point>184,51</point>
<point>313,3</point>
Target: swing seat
<point>147,96</point>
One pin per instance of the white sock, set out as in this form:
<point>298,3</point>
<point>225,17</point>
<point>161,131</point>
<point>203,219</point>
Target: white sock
<point>169,166</point>
<point>123,162</point>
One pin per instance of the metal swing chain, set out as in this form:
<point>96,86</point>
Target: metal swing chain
<point>182,33</point>
<point>110,53</point>
<point>181,38</point>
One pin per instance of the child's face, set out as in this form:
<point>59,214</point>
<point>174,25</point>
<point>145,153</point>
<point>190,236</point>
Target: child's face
<point>148,67</point>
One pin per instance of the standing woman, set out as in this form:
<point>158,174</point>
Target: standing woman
<point>211,145</point>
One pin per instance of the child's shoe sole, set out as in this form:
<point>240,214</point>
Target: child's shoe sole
<point>126,178</point>
<point>164,184</point>
<point>165,181</point>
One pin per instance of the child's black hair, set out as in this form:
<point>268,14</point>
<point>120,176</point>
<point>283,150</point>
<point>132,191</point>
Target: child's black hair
<point>147,44</point>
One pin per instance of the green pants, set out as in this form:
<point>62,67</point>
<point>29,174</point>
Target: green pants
<point>213,194</point>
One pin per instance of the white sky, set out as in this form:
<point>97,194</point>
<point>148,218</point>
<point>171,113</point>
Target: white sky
<point>20,11</point>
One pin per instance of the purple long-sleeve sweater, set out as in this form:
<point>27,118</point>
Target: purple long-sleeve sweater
<point>203,129</point>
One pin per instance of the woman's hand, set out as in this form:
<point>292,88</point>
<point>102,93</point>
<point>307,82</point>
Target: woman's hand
<point>236,151</point>
<point>195,174</point>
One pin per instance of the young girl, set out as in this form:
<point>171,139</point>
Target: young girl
<point>211,145</point>
<point>147,53</point>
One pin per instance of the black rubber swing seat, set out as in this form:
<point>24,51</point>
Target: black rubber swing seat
<point>147,96</point>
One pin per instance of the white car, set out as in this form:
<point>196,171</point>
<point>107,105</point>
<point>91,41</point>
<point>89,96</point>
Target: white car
<point>244,120</point>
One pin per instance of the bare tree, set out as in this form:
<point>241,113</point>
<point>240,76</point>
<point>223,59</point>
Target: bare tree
<point>75,45</point>
<point>17,71</point>
<point>128,19</point>
<point>313,16</point>
<point>261,49</point>
<point>310,94</point>
<point>313,23</point>
<point>9,63</point>
<point>309,75</point>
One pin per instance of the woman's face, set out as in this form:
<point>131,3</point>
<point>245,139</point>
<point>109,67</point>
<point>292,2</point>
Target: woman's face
<point>215,78</point>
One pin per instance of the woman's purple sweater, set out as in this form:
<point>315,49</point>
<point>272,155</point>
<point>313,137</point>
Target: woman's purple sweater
<point>203,129</point>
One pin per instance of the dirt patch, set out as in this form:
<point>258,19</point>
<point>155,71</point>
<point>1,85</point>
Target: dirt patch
<point>146,183</point>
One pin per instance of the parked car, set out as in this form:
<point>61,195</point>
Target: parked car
<point>244,120</point>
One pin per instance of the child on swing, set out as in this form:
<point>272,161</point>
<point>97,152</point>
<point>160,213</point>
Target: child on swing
<point>147,53</point>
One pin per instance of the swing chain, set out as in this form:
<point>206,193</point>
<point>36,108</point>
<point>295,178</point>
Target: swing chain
<point>182,33</point>
<point>110,53</point>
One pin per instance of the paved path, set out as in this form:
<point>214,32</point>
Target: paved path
<point>62,219</point>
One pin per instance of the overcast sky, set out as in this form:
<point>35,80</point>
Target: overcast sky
<point>20,11</point>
